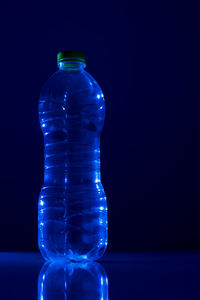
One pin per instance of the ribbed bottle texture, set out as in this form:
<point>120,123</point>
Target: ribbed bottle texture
<point>72,210</point>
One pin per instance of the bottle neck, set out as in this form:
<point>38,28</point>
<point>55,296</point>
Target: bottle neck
<point>71,65</point>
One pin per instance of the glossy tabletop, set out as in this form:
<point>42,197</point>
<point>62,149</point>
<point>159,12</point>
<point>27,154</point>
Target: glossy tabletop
<point>116,276</point>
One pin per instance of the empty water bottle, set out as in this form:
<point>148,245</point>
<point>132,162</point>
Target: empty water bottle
<point>72,209</point>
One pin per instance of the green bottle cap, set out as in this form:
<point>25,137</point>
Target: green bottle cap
<point>71,55</point>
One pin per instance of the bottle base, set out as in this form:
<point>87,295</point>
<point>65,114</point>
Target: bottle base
<point>94,254</point>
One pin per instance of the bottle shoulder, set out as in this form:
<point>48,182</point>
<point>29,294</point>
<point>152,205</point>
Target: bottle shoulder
<point>63,84</point>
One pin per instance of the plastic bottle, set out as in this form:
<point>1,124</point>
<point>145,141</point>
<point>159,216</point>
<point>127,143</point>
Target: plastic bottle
<point>72,210</point>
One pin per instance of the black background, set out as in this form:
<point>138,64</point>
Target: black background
<point>144,56</point>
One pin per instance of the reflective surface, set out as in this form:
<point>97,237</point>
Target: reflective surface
<point>138,276</point>
<point>72,281</point>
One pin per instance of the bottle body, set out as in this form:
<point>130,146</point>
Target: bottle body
<point>72,209</point>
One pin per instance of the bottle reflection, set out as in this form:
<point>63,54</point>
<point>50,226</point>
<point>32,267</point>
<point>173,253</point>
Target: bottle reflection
<point>72,281</point>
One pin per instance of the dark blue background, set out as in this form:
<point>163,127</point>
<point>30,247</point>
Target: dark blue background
<point>144,56</point>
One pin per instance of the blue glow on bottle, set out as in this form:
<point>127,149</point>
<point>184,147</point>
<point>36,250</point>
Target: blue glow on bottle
<point>72,281</point>
<point>72,210</point>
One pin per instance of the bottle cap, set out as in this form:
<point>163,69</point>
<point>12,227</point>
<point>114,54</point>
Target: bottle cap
<point>71,55</point>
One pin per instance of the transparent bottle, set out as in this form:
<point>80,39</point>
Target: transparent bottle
<point>72,209</point>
